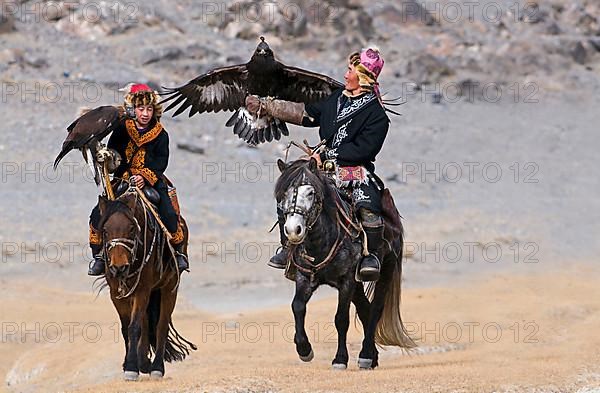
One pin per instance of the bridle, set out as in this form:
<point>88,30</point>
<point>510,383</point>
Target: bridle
<point>310,215</point>
<point>344,227</point>
<point>131,245</point>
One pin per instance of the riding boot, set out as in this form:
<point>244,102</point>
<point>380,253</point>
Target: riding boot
<point>371,264</point>
<point>280,259</point>
<point>182,258</point>
<point>177,241</point>
<point>97,265</point>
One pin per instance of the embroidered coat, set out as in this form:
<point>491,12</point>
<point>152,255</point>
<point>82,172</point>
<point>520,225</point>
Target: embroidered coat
<point>145,154</point>
<point>355,128</point>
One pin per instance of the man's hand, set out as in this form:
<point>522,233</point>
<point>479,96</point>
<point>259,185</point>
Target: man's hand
<point>252,104</point>
<point>138,181</point>
<point>317,157</point>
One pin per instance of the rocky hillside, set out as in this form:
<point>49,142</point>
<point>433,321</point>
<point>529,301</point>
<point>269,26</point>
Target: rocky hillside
<point>555,43</point>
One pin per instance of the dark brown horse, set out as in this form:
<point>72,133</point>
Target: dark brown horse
<point>325,248</point>
<point>143,280</point>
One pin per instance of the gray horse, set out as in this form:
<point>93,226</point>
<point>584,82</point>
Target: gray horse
<point>325,248</point>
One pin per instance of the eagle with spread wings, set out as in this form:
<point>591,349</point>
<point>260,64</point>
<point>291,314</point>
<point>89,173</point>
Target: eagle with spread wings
<point>226,89</point>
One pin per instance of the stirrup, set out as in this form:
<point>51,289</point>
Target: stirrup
<point>185,266</point>
<point>92,265</point>
<point>368,273</point>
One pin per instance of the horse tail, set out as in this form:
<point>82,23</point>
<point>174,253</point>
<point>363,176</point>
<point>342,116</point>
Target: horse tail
<point>390,329</point>
<point>177,347</point>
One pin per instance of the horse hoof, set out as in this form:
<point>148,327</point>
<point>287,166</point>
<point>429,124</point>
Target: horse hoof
<point>308,357</point>
<point>155,374</point>
<point>131,375</point>
<point>365,364</point>
<point>339,366</point>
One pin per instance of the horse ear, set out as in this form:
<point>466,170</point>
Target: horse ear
<point>281,165</point>
<point>129,200</point>
<point>312,165</point>
<point>102,204</point>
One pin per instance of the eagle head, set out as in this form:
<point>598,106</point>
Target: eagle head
<point>263,49</point>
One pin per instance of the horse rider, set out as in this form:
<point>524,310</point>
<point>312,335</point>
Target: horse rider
<point>141,144</point>
<point>354,124</point>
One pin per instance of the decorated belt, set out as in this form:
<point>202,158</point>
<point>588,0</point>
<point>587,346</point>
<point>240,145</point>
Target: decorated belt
<point>351,173</point>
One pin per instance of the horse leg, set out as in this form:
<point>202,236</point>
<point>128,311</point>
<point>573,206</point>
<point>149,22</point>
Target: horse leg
<point>342,322</point>
<point>123,308</point>
<point>368,356</point>
<point>134,331</point>
<point>363,307</point>
<point>362,304</point>
<point>144,348</point>
<point>301,297</point>
<point>124,328</point>
<point>167,305</point>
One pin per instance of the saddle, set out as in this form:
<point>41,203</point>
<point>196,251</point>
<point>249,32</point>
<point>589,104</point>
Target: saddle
<point>150,193</point>
<point>391,216</point>
<point>120,186</point>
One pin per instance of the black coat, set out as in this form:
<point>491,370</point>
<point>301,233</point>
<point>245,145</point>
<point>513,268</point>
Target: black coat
<point>355,128</point>
<point>145,154</point>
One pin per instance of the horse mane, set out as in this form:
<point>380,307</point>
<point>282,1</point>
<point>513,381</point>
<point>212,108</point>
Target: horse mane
<point>292,176</point>
<point>112,207</point>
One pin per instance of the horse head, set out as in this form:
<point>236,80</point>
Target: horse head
<point>120,231</point>
<point>300,192</point>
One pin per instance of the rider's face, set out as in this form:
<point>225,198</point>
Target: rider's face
<point>143,114</point>
<point>351,79</point>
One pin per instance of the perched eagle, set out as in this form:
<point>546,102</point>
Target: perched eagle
<point>226,88</point>
<point>88,130</point>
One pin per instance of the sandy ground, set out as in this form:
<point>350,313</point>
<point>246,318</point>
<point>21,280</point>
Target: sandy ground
<point>504,333</point>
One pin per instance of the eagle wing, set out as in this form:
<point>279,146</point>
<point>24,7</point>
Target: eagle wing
<point>307,86</point>
<point>220,89</point>
<point>94,124</point>
<point>226,89</point>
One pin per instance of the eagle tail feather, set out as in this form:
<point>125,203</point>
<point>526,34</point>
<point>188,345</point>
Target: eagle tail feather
<point>283,128</point>
<point>233,119</point>
<point>269,132</point>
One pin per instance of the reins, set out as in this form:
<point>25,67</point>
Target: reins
<point>131,246</point>
<point>343,227</point>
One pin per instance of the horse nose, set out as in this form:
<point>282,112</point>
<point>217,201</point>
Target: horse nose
<point>294,230</point>
<point>117,271</point>
<point>297,230</point>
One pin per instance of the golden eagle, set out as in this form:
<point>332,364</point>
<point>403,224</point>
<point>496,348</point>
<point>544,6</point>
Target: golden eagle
<point>86,132</point>
<point>226,89</point>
